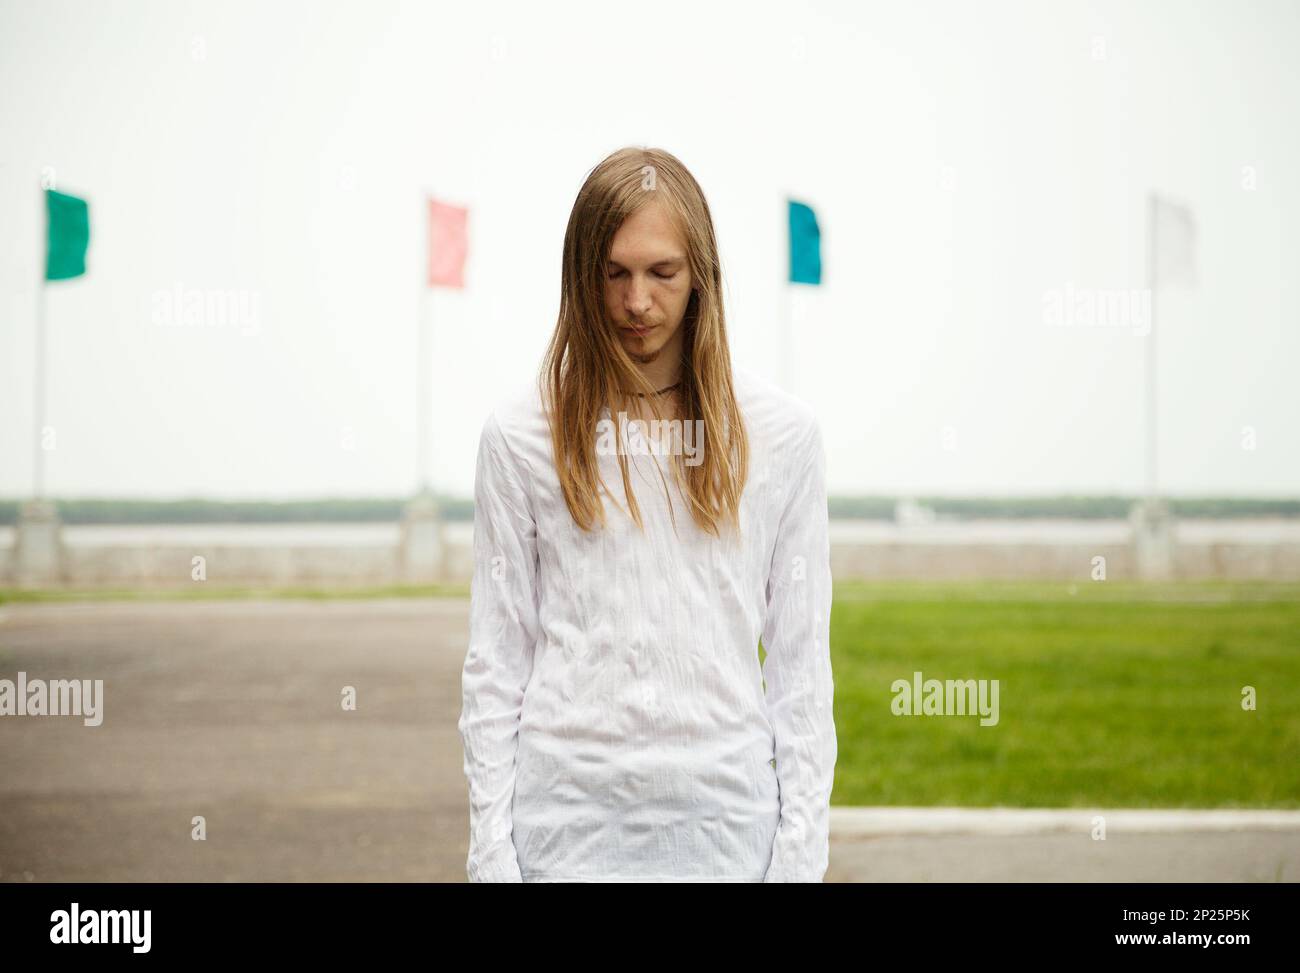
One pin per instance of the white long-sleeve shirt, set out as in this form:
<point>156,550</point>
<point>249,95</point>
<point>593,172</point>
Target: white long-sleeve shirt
<point>615,723</point>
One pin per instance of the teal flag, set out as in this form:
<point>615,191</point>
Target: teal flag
<point>805,245</point>
<point>68,237</point>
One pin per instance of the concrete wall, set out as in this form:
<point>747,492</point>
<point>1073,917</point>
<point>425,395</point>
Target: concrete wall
<point>370,554</point>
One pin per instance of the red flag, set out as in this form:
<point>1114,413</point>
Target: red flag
<point>448,244</point>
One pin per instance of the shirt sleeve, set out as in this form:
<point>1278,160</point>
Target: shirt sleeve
<point>502,635</point>
<point>797,671</point>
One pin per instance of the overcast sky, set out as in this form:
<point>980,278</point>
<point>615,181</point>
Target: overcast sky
<point>972,166</point>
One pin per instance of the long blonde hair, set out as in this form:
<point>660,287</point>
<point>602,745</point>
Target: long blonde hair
<point>586,369</point>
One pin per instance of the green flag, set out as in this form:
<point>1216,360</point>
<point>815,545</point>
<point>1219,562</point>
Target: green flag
<point>805,245</point>
<point>68,237</point>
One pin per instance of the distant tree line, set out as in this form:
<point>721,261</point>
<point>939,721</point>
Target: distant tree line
<point>199,511</point>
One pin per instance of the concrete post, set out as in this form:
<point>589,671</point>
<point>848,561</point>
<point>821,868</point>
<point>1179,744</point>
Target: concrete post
<point>1153,539</point>
<point>38,545</point>
<point>422,541</point>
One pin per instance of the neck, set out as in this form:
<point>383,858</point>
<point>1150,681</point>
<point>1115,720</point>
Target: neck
<point>661,374</point>
<point>661,391</point>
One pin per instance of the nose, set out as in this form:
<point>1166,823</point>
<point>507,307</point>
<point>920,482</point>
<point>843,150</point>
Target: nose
<point>637,300</point>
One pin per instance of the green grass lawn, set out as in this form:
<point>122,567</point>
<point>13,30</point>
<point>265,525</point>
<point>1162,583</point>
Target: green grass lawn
<point>1110,694</point>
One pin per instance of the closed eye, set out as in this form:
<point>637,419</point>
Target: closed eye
<point>619,272</point>
<point>614,274</point>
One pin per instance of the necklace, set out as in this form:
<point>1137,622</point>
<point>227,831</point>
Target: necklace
<point>660,391</point>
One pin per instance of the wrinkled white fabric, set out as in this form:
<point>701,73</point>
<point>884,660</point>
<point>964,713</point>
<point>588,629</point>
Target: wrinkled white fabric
<point>614,722</point>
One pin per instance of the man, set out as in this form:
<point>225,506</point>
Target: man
<point>617,724</point>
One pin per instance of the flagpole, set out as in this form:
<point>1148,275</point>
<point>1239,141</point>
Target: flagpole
<point>39,410</point>
<point>1152,284</point>
<point>422,392</point>
<point>787,302</point>
<point>788,313</point>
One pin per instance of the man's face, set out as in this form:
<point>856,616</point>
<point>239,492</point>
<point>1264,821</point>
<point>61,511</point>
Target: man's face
<point>648,284</point>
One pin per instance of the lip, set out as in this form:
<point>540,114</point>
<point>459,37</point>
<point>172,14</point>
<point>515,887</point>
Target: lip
<point>640,332</point>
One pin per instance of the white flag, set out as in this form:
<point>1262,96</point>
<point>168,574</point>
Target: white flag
<point>1173,242</point>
